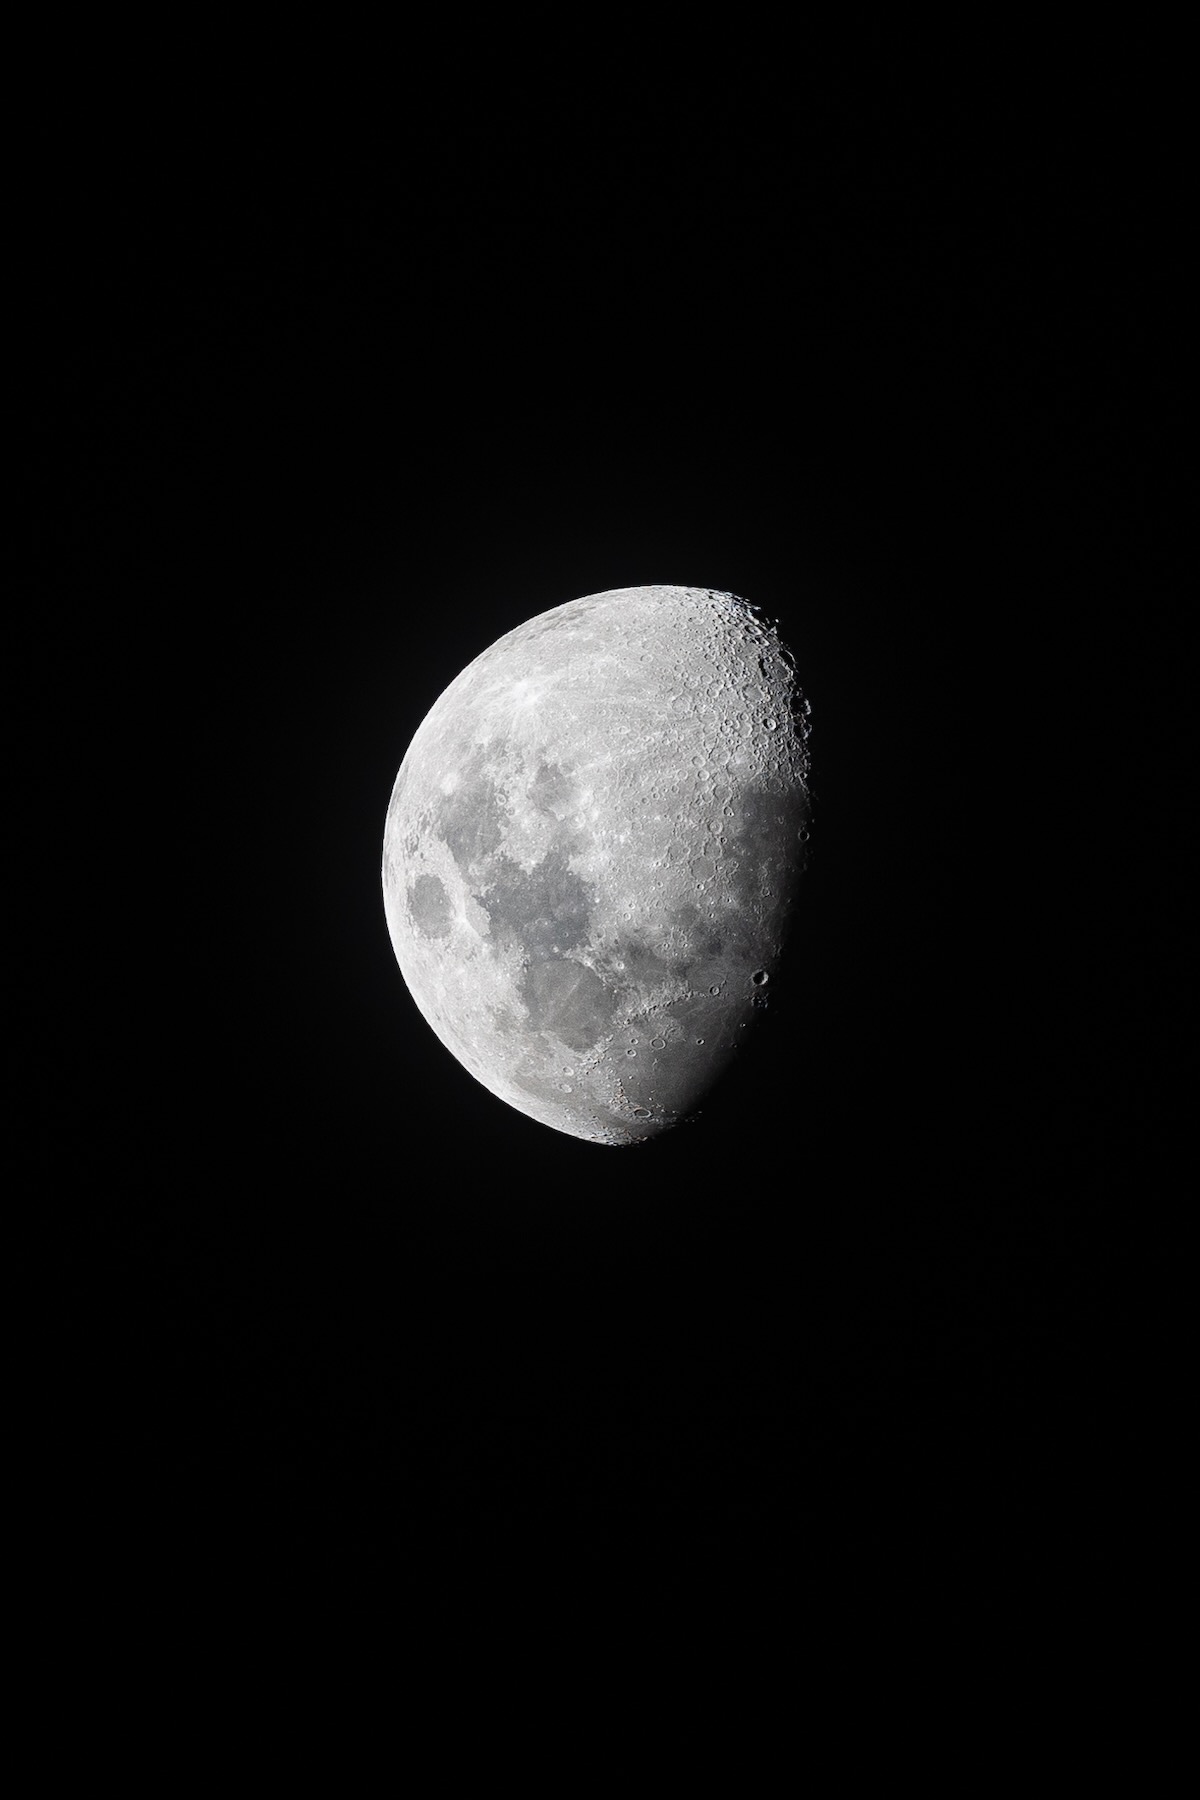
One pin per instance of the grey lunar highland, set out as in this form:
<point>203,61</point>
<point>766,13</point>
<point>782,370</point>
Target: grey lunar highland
<point>591,854</point>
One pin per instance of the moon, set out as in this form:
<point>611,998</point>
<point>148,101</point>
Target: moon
<point>591,855</point>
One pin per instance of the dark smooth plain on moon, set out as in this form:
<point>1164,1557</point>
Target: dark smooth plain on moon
<point>591,855</point>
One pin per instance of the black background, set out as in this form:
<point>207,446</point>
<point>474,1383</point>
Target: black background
<point>321,414</point>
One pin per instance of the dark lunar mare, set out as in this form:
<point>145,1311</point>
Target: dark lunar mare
<point>429,904</point>
<point>471,820</point>
<point>545,911</point>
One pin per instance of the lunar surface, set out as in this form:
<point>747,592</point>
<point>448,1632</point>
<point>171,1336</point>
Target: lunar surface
<point>591,855</point>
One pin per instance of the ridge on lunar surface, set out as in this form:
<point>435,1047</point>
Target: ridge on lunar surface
<point>591,852</point>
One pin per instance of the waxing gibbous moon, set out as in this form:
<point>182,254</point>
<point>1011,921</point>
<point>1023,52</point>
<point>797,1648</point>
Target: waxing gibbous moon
<point>591,854</point>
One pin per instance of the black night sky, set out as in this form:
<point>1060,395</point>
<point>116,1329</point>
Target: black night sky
<point>323,413</point>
